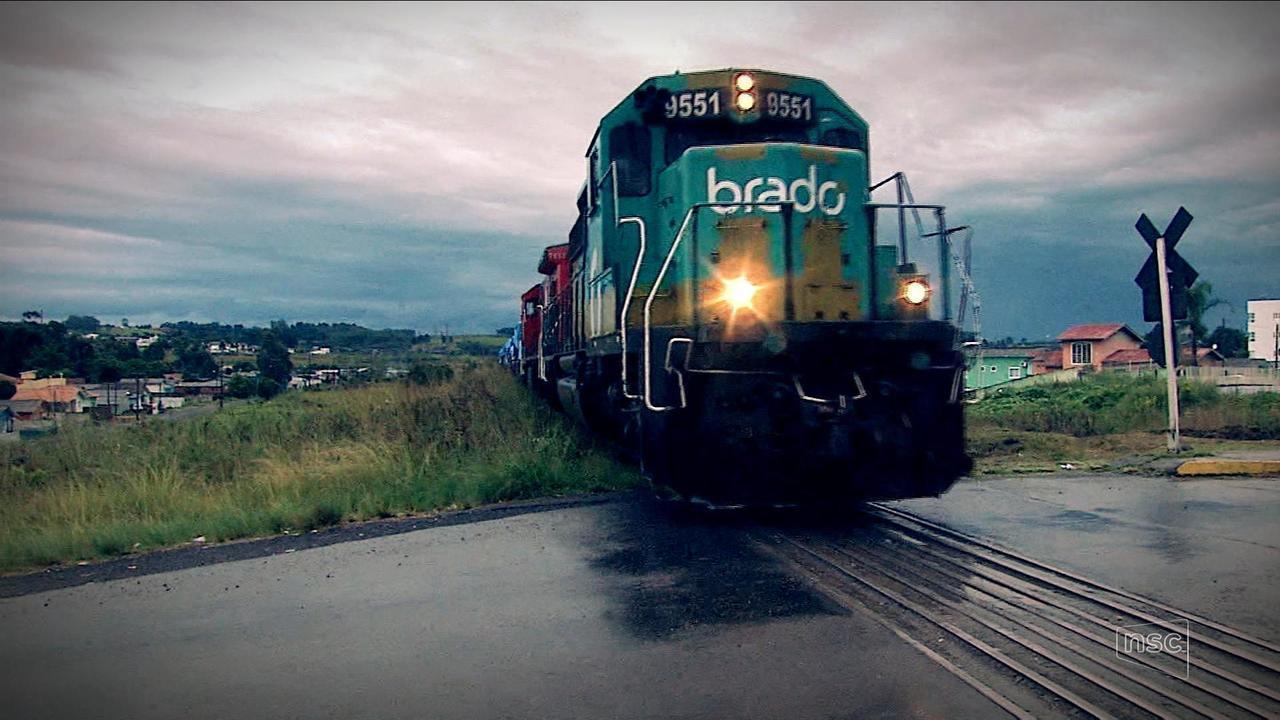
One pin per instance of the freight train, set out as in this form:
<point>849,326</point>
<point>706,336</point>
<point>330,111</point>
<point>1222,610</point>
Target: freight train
<point>724,306</point>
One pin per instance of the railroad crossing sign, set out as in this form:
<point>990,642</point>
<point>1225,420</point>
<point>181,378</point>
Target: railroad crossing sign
<point>1164,280</point>
<point>1181,274</point>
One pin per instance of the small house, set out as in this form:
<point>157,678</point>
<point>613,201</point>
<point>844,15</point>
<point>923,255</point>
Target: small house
<point>1089,345</point>
<point>55,398</point>
<point>996,366</point>
<point>24,410</point>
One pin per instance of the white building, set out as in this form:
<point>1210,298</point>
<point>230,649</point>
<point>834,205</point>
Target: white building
<point>1264,321</point>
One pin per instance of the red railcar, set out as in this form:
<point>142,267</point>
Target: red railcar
<point>530,332</point>
<point>557,293</point>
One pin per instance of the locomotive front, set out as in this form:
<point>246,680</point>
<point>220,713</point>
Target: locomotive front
<point>734,311</point>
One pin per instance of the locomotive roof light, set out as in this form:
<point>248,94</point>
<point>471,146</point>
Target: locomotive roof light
<point>739,292</point>
<point>744,82</point>
<point>745,101</point>
<point>916,291</point>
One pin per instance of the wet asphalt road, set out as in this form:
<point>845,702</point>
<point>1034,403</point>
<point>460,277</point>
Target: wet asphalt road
<point>607,609</point>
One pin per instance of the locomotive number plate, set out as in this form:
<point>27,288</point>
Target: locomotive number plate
<point>788,106</point>
<point>694,104</point>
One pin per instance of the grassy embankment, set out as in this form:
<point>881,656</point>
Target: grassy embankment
<point>1109,420</point>
<point>299,462</point>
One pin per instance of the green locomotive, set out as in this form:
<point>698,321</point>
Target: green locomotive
<point>722,302</point>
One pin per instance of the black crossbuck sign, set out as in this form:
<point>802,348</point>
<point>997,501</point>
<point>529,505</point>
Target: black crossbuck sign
<point>1181,274</point>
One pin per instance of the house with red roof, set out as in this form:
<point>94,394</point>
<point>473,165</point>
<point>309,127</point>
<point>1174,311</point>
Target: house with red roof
<point>54,398</point>
<point>1046,360</point>
<point>1134,360</point>
<point>1090,345</point>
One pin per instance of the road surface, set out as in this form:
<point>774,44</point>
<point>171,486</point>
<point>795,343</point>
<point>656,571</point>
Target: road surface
<point>614,608</point>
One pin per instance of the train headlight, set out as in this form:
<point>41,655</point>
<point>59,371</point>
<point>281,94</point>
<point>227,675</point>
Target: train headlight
<point>744,82</point>
<point>915,291</point>
<point>745,101</point>
<point>739,292</point>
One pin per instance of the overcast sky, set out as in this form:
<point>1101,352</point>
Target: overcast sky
<point>402,166</point>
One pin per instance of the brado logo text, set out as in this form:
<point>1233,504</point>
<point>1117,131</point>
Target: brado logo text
<point>806,192</point>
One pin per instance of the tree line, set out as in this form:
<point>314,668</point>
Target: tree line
<point>1193,335</point>
<point>52,349</point>
<point>302,335</point>
<point>81,346</point>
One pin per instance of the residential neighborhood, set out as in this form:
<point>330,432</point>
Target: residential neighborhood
<point>1110,347</point>
<point>81,368</point>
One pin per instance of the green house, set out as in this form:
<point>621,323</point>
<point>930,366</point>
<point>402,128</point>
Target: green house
<point>996,366</point>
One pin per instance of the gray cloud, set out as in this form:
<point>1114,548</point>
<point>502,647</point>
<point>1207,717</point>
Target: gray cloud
<point>403,164</point>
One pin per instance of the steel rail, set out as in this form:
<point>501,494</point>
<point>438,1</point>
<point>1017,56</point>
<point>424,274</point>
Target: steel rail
<point>1008,593</point>
<point>1041,569</point>
<point>850,603</point>
<point>972,641</point>
<point>1013,583</point>
<point>1225,629</point>
<point>1038,649</point>
<point>889,566</point>
<point>1213,669</point>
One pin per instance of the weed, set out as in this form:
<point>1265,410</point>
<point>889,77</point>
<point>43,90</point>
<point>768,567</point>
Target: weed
<point>302,461</point>
<point>1112,403</point>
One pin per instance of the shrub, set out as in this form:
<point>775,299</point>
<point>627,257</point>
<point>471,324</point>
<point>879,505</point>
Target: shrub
<point>425,373</point>
<point>1110,403</point>
<point>268,388</point>
<point>241,387</point>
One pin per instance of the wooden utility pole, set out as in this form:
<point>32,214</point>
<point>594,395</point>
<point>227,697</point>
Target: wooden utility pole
<point>1165,279</point>
<point>1174,437</point>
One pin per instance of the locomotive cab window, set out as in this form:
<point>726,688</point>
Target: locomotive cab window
<point>629,147</point>
<point>680,138</point>
<point>593,189</point>
<point>578,235</point>
<point>843,138</point>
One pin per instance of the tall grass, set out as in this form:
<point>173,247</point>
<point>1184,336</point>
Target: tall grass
<point>302,461</point>
<point>1113,403</point>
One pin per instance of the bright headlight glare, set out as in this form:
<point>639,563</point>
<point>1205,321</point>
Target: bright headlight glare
<point>745,101</point>
<point>744,82</point>
<point>739,292</point>
<point>915,291</point>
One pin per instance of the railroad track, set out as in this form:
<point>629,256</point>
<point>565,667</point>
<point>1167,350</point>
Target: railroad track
<point>1037,640</point>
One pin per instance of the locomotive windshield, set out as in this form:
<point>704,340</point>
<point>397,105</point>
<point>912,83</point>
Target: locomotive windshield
<point>681,138</point>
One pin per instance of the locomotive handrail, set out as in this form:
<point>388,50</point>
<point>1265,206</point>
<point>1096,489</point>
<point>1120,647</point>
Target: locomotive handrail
<point>841,400</point>
<point>626,302</point>
<point>618,221</point>
<point>944,245</point>
<point>648,308</point>
<point>542,360</point>
<point>688,343</point>
<point>657,282</point>
<point>635,273</point>
<point>969,295</point>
